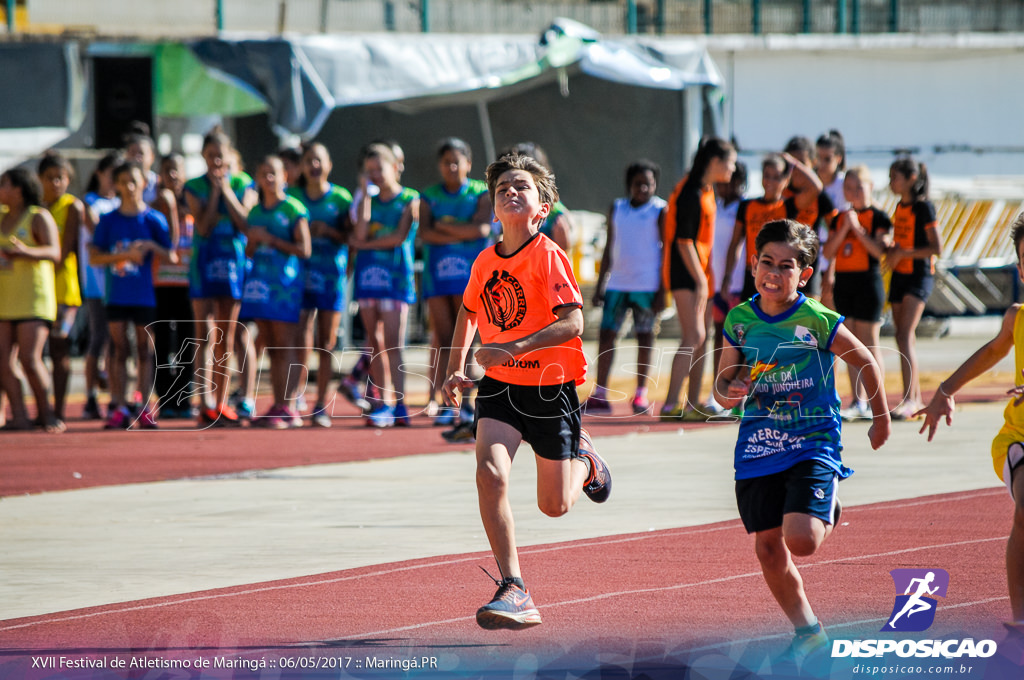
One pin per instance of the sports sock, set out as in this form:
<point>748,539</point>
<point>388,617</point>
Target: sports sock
<point>518,581</point>
<point>810,629</point>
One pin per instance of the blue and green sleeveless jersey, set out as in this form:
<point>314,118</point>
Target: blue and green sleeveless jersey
<point>387,274</point>
<point>446,266</point>
<point>792,411</point>
<point>218,265</point>
<point>273,288</point>
<point>327,265</point>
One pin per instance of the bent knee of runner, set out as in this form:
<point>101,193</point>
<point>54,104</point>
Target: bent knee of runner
<point>554,506</point>
<point>489,479</point>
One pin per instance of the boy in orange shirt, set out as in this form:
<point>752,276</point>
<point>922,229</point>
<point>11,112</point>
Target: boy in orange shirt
<point>528,307</point>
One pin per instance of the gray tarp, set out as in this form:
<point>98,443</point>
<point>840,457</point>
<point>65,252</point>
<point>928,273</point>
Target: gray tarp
<point>44,84</point>
<point>594,104</point>
<point>303,79</point>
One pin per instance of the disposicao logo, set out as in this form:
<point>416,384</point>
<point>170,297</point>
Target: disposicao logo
<point>914,611</point>
<point>916,591</point>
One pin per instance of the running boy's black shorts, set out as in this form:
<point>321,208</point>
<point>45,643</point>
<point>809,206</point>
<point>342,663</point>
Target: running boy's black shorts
<point>548,416</point>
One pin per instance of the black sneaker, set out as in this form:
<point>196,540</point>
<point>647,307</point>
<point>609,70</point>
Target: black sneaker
<point>511,608</point>
<point>92,410</point>
<point>599,485</point>
<point>463,433</point>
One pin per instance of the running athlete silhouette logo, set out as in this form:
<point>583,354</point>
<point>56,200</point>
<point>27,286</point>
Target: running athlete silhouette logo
<point>504,300</point>
<point>914,610</point>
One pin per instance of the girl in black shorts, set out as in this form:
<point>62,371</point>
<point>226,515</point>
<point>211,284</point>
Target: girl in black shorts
<point>857,240</point>
<point>916,245</point>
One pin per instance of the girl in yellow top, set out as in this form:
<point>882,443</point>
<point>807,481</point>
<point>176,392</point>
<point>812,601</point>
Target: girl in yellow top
<point>1008,446</point>
<point>55,173</point>
<point>29,247</point>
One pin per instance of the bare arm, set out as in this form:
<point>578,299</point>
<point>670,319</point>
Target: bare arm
<point>396,238</point>
<point>732,382</point>
<point>46,234</point>
<point>606,258</point>
<point>465,331</point>
<point>567,326</point>
<point>851,350</point>
<point>804,182</point>
<point>688,253</point>
<point>561,232</point>
<point>988,355</point>
<point>479,226</point>
<point>732,255</point>
<point>167,205</point>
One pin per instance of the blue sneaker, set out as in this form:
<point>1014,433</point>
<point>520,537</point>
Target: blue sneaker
<point>382,416</point>
<point>446,417</point>
<point>599,485</point>
<point>401,415</point>
<point>466,412</point>
<point>511,608</point>
<point>246,409</point>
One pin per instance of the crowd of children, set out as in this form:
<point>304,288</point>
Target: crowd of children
<point>265,264</point>
<point>785,283</point>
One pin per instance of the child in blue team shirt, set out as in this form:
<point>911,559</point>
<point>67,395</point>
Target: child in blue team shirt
<point>787,456</point>
<point>278,242</point>
<point>126,241</point>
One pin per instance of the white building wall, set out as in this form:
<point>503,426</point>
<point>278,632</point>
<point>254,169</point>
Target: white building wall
<point>929,93</point>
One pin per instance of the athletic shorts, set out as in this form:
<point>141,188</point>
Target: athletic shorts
<point>678,275</point>
<point>859,295</point>
<point>383,304</point>
<point>617,303</point>
<point>32,319</point>
<point>140,316</point>
<point>548,416</point>
<point>918,285</point>
<point>809,487</point>
<point>1007,455</point>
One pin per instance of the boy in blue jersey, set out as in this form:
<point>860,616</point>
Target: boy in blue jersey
<point>780,354</point>
<point>125,242</point>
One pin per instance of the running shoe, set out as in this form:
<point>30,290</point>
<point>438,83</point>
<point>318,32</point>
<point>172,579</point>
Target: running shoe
<point>382,416</point>
<point>905,412</point>
<point>694,415</point>
<point>320,417</point>
<point>641,405</point>
<point>227,415</point>
<point>350,388</point>
<point>209,417</point>
<point>597,406</point>
<point>146,420</point>
<point>273,419</point>
<point>859,410</point>
<point>401,415</point>
<point>599,484</point>
<point>803,646</point>
<point>300,403</point>
<point>446,416</point>
<point>511,608</point>
<point>463,433</point>
<point>246,409</point>
<point>92,409</point>
<point>433,408</point>
<point>118,418</point>
<point>467,414</point>
<point>671,415</point>
<point>291,417</point>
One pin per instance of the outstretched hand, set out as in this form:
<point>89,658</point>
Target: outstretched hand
<point>938,408</point>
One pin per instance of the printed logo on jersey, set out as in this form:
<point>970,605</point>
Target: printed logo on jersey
<point>504,300</point>
<point>804,335</point>
<point>915,605</point>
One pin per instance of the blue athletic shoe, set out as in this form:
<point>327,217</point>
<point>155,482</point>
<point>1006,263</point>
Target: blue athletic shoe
<point>466,412</point>
<point>382,416</point>
<point>599,485</point>
<point>446,417</point>
<point>511,608</point>
<point>401,415</point>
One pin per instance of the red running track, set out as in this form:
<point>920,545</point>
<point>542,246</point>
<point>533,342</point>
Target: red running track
<point>641,595</point>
